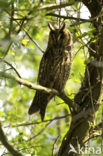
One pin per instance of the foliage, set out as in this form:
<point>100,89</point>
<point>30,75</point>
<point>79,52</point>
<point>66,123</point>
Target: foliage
<point>18,20</point>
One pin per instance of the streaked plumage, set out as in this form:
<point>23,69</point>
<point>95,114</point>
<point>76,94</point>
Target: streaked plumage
<point>54,67</point>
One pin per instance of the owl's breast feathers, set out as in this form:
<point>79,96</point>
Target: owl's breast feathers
<point>55,67</point>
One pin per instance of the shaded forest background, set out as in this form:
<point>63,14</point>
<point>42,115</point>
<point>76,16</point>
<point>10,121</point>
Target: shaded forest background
<point>23,39</point>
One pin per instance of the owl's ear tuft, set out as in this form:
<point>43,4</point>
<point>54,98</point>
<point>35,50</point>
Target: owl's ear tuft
<point>51,27</point>
<point>62,27</point>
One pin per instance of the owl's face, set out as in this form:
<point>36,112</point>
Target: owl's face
<point>59,37</point>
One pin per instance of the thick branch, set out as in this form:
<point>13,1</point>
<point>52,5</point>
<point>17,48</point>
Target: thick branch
<point>30,85</point>
<point>93,6</point>
<point>7,145</point>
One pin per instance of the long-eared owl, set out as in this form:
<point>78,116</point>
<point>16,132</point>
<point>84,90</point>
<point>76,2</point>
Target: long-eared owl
<point>54,67</point>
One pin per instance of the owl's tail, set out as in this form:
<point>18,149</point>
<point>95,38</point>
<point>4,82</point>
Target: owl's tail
<point>39,104</point>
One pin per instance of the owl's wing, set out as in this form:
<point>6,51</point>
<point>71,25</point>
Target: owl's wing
<point>41,99</point>
<point>45,70</point>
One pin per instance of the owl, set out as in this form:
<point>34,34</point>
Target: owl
<point>54,67</point>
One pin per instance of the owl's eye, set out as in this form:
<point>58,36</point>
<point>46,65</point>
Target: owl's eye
<point>61,35</point>
<point>52,33</point>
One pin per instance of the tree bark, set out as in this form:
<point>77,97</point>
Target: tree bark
<point>89,93</point>
<point>8,146</point>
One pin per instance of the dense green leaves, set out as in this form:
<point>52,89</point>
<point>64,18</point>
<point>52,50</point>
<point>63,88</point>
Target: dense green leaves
<point>21,22</point>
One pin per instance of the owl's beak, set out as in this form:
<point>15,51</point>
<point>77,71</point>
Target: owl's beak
<point>58,37</point>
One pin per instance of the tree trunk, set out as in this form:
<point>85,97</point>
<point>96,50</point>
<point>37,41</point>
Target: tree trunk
<point>90,91</point>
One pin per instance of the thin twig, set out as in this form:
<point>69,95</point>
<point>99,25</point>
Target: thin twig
<point>11,19</point>
<point>32,39</point>
<point>75,18</point>
<point>93,136</point>
<point>97,127</point>
<point>56,6</point>
<point>46,7</point>
<point>35,123</point>
<point>7,50</point>
<point>11,25</point>
<point>42,130</point>
<point>12,67</point>
<point>54,145</point>
<point>70,17</point>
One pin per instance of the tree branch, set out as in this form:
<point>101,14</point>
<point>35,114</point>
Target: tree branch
<point>75,18</point>
<point>42,130</point>
<point>7,145</point>
<point>30,85</point>
<point>90,92</point>
<point>69,17</point>
<point>36,123</point>
<point>56,6</point>
<point>32,39</point>
<point>11,19</point>
<point>93,6</point>
<point>97,127</point>
<point>9,64</point>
